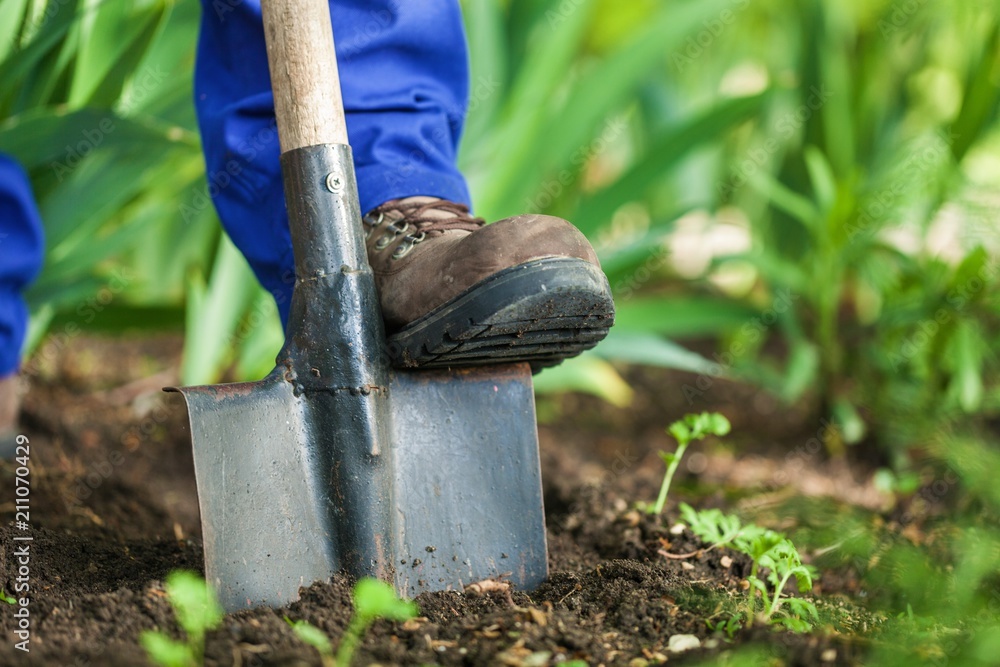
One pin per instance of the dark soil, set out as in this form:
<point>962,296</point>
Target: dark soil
<point>114,509</point>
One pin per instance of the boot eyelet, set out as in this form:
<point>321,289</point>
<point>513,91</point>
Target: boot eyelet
<point>407,245</point>
<point>371,225</point>
<point>398,230</point>
<point>383,242</point>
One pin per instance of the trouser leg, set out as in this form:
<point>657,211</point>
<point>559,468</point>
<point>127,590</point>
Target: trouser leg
<point>404,75</point>
<point>21,252</point>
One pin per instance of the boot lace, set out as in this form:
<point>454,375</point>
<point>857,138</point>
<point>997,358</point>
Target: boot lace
<point>418,223</point>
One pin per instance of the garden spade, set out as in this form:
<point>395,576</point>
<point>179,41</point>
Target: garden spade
<point>335,461</point>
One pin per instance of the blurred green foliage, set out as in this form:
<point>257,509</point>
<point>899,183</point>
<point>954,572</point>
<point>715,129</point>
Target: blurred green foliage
<point>814,184</point>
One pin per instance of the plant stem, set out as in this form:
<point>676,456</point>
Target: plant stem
<point>777,595</point>
<point>661,500</point>
<point>355,629</point>
<point>198,647</point>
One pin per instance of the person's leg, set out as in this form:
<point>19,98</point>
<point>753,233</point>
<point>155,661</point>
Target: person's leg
<point>21,251</point>
<point>452,291</point>
<point>404,75</point>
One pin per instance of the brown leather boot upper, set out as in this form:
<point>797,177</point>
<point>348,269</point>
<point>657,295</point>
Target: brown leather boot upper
<point>426,251</point>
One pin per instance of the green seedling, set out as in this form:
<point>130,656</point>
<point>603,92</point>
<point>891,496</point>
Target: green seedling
<point>685,431</point>
<point>373,599</point>
<point>712,525</point>
<point>7,598</point>
<point>770,551</point>
<point>310,634</point>
<point>730,625</point>
<point>783,562</point>
<point>197,612</point>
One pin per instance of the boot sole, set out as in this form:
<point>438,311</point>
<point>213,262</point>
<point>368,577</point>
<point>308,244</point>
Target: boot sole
<point>541,312</point>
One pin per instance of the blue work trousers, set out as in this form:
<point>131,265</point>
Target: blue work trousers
<point>21,249</point>
<point>404,76</point>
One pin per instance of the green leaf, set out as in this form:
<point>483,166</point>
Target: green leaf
<point>608,85</point>
<point>821,175</point>
<point>801,371</point>
<point>680,432</point>
<point>682,317</point>
<point>311,635</point>
<point>587,374</point>
<point>259,338</point>
<point>213,314</point>
<point>802,608</point>
<point>194,602</point>
<point>47,35</point>
<point>966,347</point>
<point>488,57</point>
<point>59,139</point>
<point>982,97</point>
<point>718,424</point>
<point>792,623</point>
<point>652,350</point>
<point>787,200</point>
<point>98,57</point>
<point>662,152</point>
<point>11,16</point>
<point>804,578</point>
<point>554,45</point>
<point>668,457</point>
<point>165,651</point>
<point>376,599</point>
<point>852,425</point>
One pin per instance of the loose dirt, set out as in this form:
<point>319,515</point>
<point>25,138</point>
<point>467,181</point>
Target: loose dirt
<point>114,509</point>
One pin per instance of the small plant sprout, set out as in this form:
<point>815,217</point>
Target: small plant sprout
<point>373,599</point>
<point>783,562</point>
<point>310,634</point>
<point>197,611</point>
<point>7,598</point>
<point>685,431</point>
<point>712,525</point>
<point>770,551</point>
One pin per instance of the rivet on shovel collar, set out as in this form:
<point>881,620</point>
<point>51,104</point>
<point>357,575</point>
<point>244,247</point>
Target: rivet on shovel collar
<point>334,182</point>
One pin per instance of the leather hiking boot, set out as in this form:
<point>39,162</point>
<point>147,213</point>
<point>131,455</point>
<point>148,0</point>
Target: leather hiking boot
<point>457,292</point>
<point>10,405</point>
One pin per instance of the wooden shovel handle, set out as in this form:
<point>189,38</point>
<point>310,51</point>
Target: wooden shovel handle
<point>307,100</point>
